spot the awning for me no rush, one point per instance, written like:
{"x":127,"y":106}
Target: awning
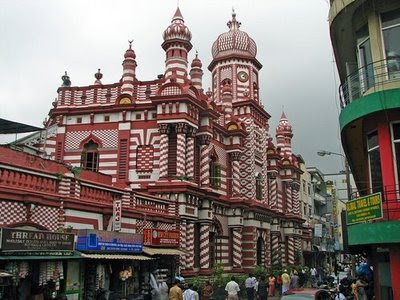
{"x":49,"y":256}
{"x":7,"y":126}
{"x":162,"y":251}
{"x":116,"y":256}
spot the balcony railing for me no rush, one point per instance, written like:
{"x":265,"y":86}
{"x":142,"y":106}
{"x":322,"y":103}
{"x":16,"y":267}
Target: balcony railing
{"x":390,"y":201}
{"x":371,"y":76}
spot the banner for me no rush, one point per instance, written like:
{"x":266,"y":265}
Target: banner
{"x":159,"y":237}
{"x":117,"y":214}
{"x":109,"y":241}
{"x":364,"y":209}
{"x":29,"y":240}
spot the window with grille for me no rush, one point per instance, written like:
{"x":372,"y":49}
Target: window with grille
{"x":90,"y":157}
{"x":259,"y":185}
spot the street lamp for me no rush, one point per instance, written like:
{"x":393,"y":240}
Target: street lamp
{"x":347,"y":169}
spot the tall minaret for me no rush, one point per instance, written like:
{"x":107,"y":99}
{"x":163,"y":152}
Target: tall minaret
{"x":284,"y":134}
{"x":129,"y":68}
{"x":176,"y":45}
{"x":196,"y":73}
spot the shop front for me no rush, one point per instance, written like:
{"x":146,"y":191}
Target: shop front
{"x":163,"y":245}
{"x":37,"y":264}
{"x":114,"y":264}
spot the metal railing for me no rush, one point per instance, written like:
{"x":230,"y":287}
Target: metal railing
{"x":390,"y":201}
{"x":373,"y":75}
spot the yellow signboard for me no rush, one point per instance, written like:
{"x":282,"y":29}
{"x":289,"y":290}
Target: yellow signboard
{"x":364,"y":209}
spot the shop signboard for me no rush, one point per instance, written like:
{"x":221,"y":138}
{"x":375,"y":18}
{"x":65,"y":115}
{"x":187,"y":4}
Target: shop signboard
{"x":117,"y":214}
{"x":109,"y":241}
{"x":22,"y":240}
{"x":364,"y":209}
{"x":159,"y":237}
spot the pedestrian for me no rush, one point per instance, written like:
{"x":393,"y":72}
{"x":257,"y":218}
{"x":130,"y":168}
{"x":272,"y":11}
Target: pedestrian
{"x":175,"y":293}
{"x":207,"y":290}
{"x":279,"y":284}
{"x":262,"y":288}
{"x":361,"y":285}
{"x":340,"y":294}
{"x":188,"y":294}
{"x":294,"y":281}
{"x":354,"y":290}
{"x":314,"y":273}
{"x":285,"y":282}
{"x":195,"y":293}
{"x":271,"y":285}
{"x":233,"y":289}
{"x":250,"y":284}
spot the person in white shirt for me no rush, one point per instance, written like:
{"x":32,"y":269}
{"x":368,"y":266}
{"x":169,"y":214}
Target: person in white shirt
{"x":232,"y":288}
{"x":313,"y":272}
{"x":189,"y":294}
{"x":250,"y":284}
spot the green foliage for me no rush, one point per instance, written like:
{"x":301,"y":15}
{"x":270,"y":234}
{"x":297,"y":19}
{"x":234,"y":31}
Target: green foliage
{"x":77,"y":172}
{"x":297,"y":257}
{"x":259,"y":271}
{"x":218,"y":275}
{"x":59,"y":176}
{"x":198,"y":283}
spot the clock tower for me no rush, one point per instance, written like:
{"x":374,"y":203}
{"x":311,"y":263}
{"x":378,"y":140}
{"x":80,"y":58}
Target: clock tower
{"x":234,"y":63}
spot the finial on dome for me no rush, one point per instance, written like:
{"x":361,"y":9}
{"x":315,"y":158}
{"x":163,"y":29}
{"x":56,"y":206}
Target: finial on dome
{"x":98,"y":77}
{"x":177,"y":15}
{"x":130,"y":43}
{"x":283,"y":115}
{"x":233,"y":24}
{"x":66,"y":80}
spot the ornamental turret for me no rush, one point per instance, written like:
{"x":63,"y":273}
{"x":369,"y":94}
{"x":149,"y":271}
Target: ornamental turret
{"x":284,"y":134}
{"x":129,"y":69}
{"x":234,"y":58}
{"x":196,"y":73}
{"x":176,"y":46}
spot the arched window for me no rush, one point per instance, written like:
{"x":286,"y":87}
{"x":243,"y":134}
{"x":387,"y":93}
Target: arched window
{"x":215,"y":173}
{"x":90,"y":157}
{"x":259,"y":186}
{"x":260,"y":251}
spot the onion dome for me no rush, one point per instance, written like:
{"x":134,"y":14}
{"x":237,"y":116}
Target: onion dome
{"x":196,"y":63}
{"x":130,"y":53}
{"x":284,"y":127}
{"x":177,"y":29}
{"x":234,"y":41}
{"x":98,"y":77}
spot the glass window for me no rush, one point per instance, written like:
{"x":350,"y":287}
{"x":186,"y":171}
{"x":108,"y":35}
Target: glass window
{"x":364,"y":56}
{"x":90,"y":157}
{"x":215,"y":173}
{"x":391,"y":38}
{"x":259,"y":186}
{"x":396,"y":146}
{"x":374,"y":161}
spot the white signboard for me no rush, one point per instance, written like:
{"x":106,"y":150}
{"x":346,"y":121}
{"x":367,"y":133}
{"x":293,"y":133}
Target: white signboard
{"x":318,"y":230}
{"x":117,"y":214}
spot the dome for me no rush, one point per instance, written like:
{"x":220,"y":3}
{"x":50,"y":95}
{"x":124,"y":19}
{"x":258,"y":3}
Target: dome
{"x":234,"y":41}
{"x":284,"y":127}
{"x":196,"y":63}
{"x":177,"y":29}
{"x":130,"y":53}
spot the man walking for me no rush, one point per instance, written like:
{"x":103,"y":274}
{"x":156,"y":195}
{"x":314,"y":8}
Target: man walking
{"x":233,"y":289}
{"x":250,"y":284}
{"x":175,"y":293}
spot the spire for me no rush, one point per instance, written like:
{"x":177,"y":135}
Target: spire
{"x":66,"y":80}
{"x":233,"y":24}
{"x":177,"y":15}
{"x":283,"y":116}
{"x":196,"y":73}
{"x":98,"y":77}
{"x":284,"y":135}
{"x":129,"y":68}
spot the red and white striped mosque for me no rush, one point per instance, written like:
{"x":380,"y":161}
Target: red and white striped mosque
{"x":179,"y":157}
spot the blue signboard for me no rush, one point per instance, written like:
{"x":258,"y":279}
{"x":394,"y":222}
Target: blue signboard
{"x":109,"y":241}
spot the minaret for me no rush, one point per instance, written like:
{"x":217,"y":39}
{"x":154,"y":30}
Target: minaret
{"x":129,"y":68}
{"x":284,"y":136}
{"x":176,"y":45}
{"x":196,"y":73}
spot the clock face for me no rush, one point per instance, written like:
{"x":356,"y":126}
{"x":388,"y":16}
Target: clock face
{"x":242,"y":76}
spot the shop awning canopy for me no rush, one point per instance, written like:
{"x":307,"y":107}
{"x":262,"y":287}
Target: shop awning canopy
{"x":162,"y":251}
{"x":115,"y":256}
{"x":7,"y":126}
{"x":48,"y":256}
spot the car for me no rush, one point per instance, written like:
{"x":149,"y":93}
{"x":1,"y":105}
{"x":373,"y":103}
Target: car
{"x":306,"y":294}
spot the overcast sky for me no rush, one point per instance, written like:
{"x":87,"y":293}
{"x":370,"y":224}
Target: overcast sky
{"x":41,"y":39}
